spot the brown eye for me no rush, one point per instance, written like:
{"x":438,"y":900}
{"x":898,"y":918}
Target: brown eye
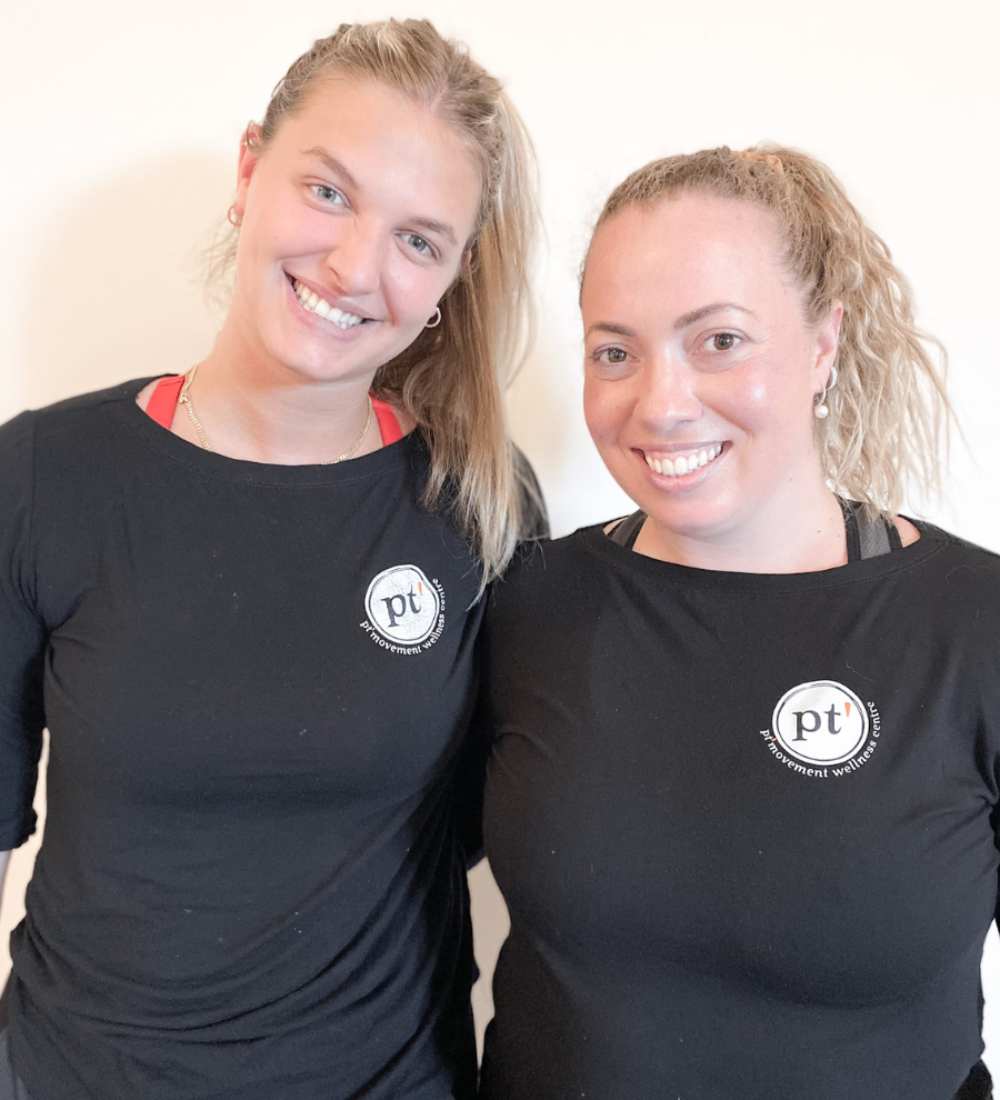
{"x":724,"y":341}
{"x":616,"y":355}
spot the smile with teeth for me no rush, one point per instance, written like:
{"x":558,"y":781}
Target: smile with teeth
{"x":677,"y":465}
{"x":322,"y":308}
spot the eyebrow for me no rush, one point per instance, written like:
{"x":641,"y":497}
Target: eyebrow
{"x":432,"y":225}
{"x":331,"y":162}
{"x":702,"y":312}
{"x":683,"y":321}
{"x":610,"y":326}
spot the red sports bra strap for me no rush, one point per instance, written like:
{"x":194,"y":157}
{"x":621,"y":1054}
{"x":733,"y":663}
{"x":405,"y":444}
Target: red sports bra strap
{"x":388,"y":423}
{"x":162,"y":408}
{"x":163,"y":400}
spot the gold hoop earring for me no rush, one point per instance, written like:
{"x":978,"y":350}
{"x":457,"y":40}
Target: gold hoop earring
{"x":251,"y":136}
{"x":234,"y":217}
{"x":435,"y":320}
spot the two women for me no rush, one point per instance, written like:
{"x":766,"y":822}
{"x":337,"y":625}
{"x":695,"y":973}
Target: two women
{"x":244,"y":602}
{"x":721,"y":784}
{"x":743,"y":781}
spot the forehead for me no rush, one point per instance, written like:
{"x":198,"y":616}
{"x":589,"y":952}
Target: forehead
{"x":686,"y":250}
{"x":395,"y":147}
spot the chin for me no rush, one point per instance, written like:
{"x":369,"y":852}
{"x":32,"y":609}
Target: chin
{"x":317,"y":364}
{"x":697,"y":516}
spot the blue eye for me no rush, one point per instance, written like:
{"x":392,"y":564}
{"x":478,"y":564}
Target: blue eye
{"x":419,"y":244}
{"x":328,"y":194}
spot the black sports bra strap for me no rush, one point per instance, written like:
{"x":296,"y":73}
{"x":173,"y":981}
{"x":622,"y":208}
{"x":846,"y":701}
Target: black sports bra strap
{"x":895,"y":541}
{"x":866,"y":537}
{"x":626,"y":530}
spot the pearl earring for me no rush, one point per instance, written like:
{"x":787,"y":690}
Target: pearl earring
{"x":821,"y":410}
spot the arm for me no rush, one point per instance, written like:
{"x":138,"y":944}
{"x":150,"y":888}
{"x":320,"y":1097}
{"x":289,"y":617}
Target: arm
{"x":23,"y":638}
{"x":4,"y":856}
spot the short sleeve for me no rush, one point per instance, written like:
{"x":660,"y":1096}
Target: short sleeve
{"x":22,"y":637}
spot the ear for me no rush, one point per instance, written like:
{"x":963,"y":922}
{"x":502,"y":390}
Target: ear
{"x":250,"y":149}
{"x":827,"y":342}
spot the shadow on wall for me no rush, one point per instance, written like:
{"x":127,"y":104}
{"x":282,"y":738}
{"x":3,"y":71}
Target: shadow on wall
{"x":546,"y":413}
{"x":537,"y":415}
{"x":123,"y":265}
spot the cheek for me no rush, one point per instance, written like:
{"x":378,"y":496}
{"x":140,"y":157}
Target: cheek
{"x":772,"y":406}
{"x":412,"y":290}
{"x":754,"y":401}
{"x":761,"y":396}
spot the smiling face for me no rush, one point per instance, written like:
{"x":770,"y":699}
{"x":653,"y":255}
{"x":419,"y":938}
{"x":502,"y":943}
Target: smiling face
{"x":355,"y":217}
{"x":701,"y":368}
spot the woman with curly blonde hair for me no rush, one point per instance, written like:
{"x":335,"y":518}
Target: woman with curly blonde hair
{"x":244,"y":599}
{"x":743,"y":781}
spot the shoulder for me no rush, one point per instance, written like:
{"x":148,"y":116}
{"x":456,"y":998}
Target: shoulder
{"x":956,"y":574}
{"x":545,"y":571}
{"x":61,"y":447}
{"x":85,"y":412}
{"x":955,"y":546}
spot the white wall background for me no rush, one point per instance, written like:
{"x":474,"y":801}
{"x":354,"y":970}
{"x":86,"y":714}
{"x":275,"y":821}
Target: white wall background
{"x":120,"y":126}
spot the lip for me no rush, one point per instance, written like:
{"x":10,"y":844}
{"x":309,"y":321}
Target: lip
{"x":682,"y":447}
{"x":681,"y":482}
{"x":320,"y":325}
{"x":335,"y":300}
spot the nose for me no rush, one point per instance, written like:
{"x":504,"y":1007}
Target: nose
{"x":355,"y":260}
{"x":667,"y":395}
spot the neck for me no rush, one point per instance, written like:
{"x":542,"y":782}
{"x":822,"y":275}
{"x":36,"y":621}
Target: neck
{"x":799,"y":532}
{"x":255,"y":409}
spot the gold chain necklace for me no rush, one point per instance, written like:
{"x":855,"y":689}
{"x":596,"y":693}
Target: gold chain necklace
{"x":199,"y":431}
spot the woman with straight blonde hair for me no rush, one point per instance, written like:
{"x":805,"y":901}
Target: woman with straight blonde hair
{"x":742,"y":789}
{"x":244,"y":599}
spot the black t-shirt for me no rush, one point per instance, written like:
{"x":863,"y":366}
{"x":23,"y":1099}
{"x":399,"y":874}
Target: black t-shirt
{"x":256,"y":679}
{"x":743,"y":824}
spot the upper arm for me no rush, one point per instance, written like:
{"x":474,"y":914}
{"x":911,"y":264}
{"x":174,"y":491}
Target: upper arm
{"x":22,"y":637}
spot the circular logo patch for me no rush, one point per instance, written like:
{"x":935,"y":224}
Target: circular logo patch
{"x":821,"y":722}
{"x":403,"y":605}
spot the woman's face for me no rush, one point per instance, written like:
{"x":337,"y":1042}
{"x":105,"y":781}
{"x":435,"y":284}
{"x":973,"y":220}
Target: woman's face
{"x":355,"y":218}
{"x":701,"y":369}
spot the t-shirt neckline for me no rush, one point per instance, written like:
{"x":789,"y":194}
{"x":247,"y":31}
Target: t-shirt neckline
{"x":931,"y":542}
{"x":209,"y":464}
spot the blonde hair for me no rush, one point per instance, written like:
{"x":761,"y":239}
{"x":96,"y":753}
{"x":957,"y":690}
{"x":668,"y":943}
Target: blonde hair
{"x":450,"y":379}
{"x":889,"y":412}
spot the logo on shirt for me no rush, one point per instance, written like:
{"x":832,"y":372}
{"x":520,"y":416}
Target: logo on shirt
{"x":405,"y":610}
{"x":822,"y":730}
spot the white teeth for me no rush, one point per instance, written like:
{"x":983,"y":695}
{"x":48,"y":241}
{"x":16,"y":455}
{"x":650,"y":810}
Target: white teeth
{"x":683,"y":464}
{"x":322,"y":308}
